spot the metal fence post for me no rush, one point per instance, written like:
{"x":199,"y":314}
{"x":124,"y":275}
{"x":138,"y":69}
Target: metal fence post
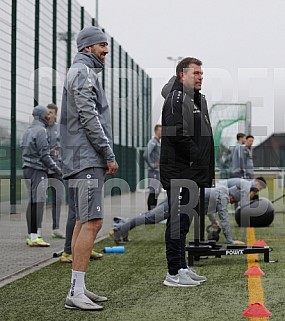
{"x":13,"y":156}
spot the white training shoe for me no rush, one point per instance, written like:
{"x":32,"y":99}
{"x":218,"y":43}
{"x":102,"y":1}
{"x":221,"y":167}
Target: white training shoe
{"x":57,"y":233}
{"x":194,"y":276}
{"x":81,"y":303}
{"x":180,"y":279}
{"x":94,"y":297}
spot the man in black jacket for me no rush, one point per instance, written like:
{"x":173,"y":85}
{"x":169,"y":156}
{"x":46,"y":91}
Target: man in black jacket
{"x":186,"y":162}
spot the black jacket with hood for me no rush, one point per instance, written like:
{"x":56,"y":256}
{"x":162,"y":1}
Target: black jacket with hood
{"x":187,"y":145}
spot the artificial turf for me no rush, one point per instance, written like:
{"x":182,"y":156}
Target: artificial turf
{"x":133,"y":283}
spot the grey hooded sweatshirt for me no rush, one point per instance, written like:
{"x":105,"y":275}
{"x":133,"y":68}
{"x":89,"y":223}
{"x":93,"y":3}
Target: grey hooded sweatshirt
{"x":54,"y":143}
{"x":35,"y":146}
{"x":85,"y":124}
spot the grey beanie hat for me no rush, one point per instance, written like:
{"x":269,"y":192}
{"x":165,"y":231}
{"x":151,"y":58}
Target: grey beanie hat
{"x":40,"y":112}
{"x":235,"y":192}
{"x":89,"y":36}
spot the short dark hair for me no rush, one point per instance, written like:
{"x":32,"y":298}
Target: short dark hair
{"x":52,"y":106}
{"x":184,"y":63}
{"x":240,"y":135}
{"x":254,"y":189}
{"x":157,"y":126}
{"x":249,"y":136}
{"x":262,"y":180}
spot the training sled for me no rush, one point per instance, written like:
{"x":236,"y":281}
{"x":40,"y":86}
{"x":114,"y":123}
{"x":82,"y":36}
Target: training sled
{"x":210,"y":248}
{"x":201,"y":248}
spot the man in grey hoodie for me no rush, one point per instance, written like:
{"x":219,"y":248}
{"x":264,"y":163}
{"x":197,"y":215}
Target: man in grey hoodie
{"x":36,"y":162}
{"x":56,"y":183}
{"x":151,"y":157}
{"x":87,"y":155}
{"x":237,"y":164}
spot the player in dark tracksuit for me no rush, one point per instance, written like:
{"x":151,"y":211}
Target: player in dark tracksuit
{"x":36,"y":162}
{"x":187,"y":158}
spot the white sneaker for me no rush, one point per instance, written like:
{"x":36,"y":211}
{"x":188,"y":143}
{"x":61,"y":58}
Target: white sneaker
{"x":81,"y":303}
{"x":39,"y":232}
{"x":57,"y":233}
{"x":94,"y":297}
{"x":180,"y":279}
{"x":194,"y":276}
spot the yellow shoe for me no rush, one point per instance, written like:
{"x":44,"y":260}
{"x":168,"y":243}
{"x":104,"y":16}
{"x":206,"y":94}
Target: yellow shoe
{"x":40,"y":242}
{"x":95,"y":255}
{"x":66,"y":258}
{"x":114,"y":235}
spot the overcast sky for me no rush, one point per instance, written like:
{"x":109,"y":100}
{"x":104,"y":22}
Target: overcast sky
{"x":241,"y":44}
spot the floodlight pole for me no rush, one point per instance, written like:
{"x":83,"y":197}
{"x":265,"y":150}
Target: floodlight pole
{"x":97,"y":13}
{"x":248,"y":118}
{"x":175,"y":60}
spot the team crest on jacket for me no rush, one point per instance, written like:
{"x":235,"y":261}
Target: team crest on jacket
{"x":196,"y":110}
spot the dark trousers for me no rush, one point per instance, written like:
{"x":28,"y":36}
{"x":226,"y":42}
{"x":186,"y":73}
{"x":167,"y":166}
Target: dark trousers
{"x":154,"y":216}
{"x":178,"y":224}
{"x":154,"y":188}
{"x":36,"y":183}
{"x":152,"y":199}
{"x":56,"y":186}
{"x":34,"y":215}
{"x":71,"y":220}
